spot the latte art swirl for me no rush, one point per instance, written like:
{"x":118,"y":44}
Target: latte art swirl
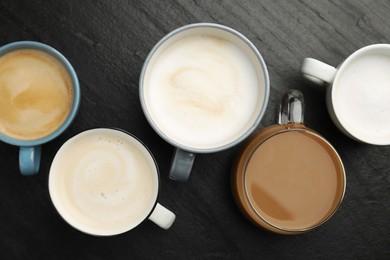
{"x":202,"y":91}
{"x":197,"y":88}
{"x":36,"y":94}
{"x":106,"y":178}
{"x":103,"y":178}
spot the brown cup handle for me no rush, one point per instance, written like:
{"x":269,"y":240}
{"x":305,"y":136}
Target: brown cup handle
{"x":291,"y":109}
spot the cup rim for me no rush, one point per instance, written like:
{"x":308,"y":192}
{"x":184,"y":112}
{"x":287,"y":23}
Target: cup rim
{"x":353,"y":133}
{"x":258,"y":214}
{"x":263,"y":106}
{"x":70,"y":220}
{"x":75,"y":83}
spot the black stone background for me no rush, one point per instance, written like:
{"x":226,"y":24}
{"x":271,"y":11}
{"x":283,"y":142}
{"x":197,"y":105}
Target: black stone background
{"x":107,"y":42}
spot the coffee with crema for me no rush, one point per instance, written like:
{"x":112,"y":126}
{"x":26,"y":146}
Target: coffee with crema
{"x":103,"y":180}
{"x":202,"y":91}
{"x":36,"y":94}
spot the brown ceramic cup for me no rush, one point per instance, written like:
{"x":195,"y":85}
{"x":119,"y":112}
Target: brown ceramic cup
{"x":288,"y":179}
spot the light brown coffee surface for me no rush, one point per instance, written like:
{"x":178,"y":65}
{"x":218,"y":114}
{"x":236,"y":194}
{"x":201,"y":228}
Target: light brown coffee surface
{"x":292,"y":180}
{"x":36,"y":94}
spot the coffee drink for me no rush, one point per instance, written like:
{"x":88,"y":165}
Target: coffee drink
{"x":363,"y":94}
{"x":288,"y":179}
{"x":202,"y":91}
{"x":292,"y":180}
{"x":104,"y":181}
{"x":36,"y":94}
{"x":358,"y":92}
{"x":203,"y":88}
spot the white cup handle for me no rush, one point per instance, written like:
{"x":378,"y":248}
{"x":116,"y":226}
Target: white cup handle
{"x":162,"y":217}
{"x":317,"y":71}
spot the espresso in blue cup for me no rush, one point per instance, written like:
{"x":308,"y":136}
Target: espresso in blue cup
{"x":39,"y":98}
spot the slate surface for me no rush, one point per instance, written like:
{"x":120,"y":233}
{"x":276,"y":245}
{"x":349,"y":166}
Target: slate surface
{"x":107,"y":42}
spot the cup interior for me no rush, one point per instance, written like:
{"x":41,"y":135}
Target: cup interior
{"x":204,"y":30}
{"x":75,"y":91}
{"x":360,"y":92}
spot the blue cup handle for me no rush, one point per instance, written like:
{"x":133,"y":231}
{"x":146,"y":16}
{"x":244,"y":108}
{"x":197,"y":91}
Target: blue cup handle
{"x":181,"y":165}
{"x":29,"y":160}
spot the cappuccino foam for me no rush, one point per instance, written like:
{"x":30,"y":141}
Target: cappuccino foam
{"x":362,"y":97}
{"x":103,"y":180}
{"x":202,"y":91}
{"x":35,"y":94}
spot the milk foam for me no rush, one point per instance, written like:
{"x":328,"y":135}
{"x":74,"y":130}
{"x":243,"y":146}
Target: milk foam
{"x":202,"y":91}
{"x":105,"y":180}
{"x":35,"y":94}
{"x":362,"y":97}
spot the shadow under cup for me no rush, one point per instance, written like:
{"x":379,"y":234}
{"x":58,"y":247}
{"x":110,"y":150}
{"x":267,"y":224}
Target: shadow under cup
{"x":180,"y":125}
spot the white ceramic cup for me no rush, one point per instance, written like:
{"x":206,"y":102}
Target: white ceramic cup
{"x":358,"y":92}
{"x":105,"y":182}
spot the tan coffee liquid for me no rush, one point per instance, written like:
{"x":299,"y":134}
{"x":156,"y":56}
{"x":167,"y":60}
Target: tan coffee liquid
{"x":293,"y":181}
{"x":36,"y":94}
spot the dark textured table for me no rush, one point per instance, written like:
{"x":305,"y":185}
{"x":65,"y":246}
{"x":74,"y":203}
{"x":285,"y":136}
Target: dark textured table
{"x":107,"y":42}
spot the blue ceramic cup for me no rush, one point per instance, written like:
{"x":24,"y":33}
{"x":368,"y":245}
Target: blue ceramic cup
{"x":30,"y":150}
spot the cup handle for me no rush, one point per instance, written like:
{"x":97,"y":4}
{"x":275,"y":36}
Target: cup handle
{"x":181,"y":165}
{"x":29,"y":160}
{"x":291,"y":109}
{"x":317,"y":71}
{"x":162,"y":217}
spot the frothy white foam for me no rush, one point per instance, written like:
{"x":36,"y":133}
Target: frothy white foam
{"x":105,"y":180}
{"x":202,"y":91}
{"x":362,"y":97}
